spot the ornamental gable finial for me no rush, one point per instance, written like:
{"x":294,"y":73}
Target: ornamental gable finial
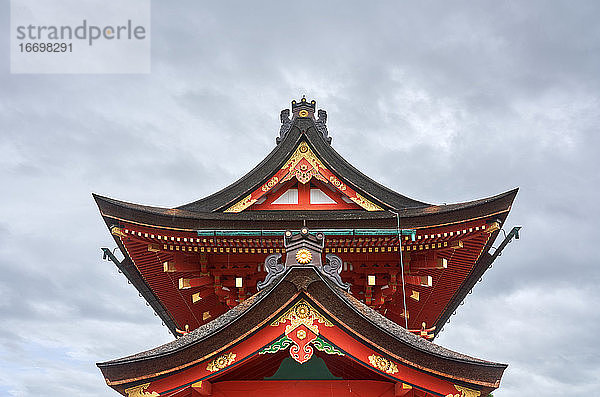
{"x":303,"y":110}
{"x":304,"y":249}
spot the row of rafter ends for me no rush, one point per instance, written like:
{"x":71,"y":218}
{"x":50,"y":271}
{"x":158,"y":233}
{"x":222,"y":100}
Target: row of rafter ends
{"x":228,"y":250}
{"x":412,"y":239}
{"x":274,"y":245}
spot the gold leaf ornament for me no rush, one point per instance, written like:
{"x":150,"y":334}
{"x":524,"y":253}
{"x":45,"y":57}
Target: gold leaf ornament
{"x":242,"y":204}
{"x":140,"y":391}
{"x":303,"y":256}
{"x":302,"y":313}
{"x":365,"y":203}
{"x":383,"y":364}
{"x":465,"y":392}
{"x":221,"y":362}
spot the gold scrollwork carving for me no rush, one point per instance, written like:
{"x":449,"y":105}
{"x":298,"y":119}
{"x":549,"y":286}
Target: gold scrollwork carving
{"x":302,"y":313}
{"x":383,"y":364}
{"x":465,"y":392}
{"x":139,"y":391}
{"x":242,"y":204}
{"x":221,"y":362}
{"x":272,"y":182}
{"x":365,"y":203}
{"x":337,"y":183}
{"x":303,"y":152}
{"x":304,"y":173}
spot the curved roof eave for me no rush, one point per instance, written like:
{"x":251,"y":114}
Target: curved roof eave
{"x":307,"y":129}
{"x":255,"y":303}
{"x":430,"y":216}
{"x":415,"y":213}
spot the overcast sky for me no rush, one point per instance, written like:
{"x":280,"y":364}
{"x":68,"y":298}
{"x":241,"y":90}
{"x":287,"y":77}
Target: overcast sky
{"x":441,"y":101}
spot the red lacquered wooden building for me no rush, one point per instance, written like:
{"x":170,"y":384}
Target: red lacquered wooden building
{"x":305,"y":277}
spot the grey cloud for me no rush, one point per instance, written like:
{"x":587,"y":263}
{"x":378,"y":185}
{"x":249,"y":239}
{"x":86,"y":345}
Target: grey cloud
{"x":441,"y":101}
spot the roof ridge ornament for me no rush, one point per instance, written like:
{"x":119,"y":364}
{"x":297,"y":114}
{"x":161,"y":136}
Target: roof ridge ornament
{"x":303,"y":110}
{"x":286,"y":124}
{"x":321,"y":124}
{"x":304,"y":250}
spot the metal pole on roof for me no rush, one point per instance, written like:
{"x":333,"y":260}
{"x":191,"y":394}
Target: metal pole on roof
{"x":402,"y":270}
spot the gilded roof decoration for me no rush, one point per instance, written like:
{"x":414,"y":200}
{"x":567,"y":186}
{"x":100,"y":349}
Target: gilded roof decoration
{"x":242,"y":204}
{"x":140,"y":391}
{"x":302,"y":313}
{"x":221,"y":362}
{"x":302,"y":333}
{"x":383,"y":364}
{"x":304,"y":165}
{"x":465,"y":392}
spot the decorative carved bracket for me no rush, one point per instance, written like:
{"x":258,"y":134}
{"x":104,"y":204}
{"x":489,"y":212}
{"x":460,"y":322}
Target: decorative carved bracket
{"x":274,"y":269}
{"x":304,"y":249}
{"x":332,"y":269}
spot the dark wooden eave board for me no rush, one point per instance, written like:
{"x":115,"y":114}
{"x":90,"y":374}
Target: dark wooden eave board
{"x":267,"y":220}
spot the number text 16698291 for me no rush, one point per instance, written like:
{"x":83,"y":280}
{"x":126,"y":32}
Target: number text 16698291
{"x":46,"y":47}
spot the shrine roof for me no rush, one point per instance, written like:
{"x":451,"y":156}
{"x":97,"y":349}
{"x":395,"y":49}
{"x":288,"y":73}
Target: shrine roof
{"x":213,"y":210}
{"x":342,"y":307}
{"x":417,"y":217}
{"x":303,"y":129}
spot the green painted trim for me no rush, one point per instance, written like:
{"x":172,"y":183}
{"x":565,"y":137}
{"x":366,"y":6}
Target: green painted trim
{"x":327,"y":232}
{"x":280,"y":344}
{"x":325,"y":346}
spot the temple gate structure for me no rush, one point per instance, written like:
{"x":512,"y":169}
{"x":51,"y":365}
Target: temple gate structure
{"x":305,"y":278}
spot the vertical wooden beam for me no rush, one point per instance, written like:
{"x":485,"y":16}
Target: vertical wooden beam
{"x":368,"y":295}
{"x":203,"y":263}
